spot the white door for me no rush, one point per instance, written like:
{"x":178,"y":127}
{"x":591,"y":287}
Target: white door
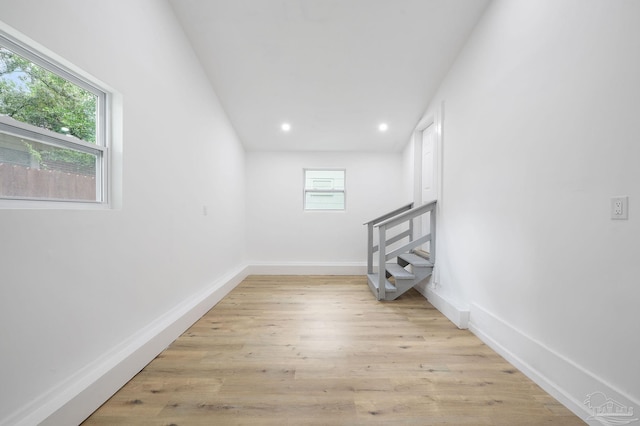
{"x":428,"y":175}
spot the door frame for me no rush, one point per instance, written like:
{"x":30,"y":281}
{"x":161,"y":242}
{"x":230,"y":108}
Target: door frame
{"x":433,"y":118}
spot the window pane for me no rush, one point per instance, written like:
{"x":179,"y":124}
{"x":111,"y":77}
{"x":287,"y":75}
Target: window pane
{"x":324,"y":179}
{"x":324,"y":200}
{"x":35,"y":170}
{"x":31,"y":94}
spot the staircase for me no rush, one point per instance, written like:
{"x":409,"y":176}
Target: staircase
{"x":411,"y":265}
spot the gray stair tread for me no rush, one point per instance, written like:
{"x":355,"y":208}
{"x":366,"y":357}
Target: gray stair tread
{"x":399,"y":272}
{"x":388,"y":287}
{"x":416,"y":260}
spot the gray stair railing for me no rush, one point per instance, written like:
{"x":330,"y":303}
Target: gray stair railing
{"x":384,"y":223}
{"x":371,"y":249}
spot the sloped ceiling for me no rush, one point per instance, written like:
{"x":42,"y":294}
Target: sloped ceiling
{"x":333,"y":69}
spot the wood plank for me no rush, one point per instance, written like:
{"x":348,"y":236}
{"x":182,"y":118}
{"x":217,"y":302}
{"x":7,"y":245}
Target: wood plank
{"x":398,"y":272}
{"x":390,"y":288}
{"x":319,"y":350}
{"x":416,"y":260}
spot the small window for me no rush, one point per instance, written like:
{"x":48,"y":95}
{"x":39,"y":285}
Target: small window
{"x":52,"y":130}
{"x":324,"y":189}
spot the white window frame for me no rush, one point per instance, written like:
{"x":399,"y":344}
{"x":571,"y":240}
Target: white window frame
{"x":306,"y":190}
{"x":34,"y":53}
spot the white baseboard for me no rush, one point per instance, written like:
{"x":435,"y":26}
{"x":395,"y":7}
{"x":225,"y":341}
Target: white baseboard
{"x":455,"y":314}
{"x":308,"y":268}
{"x":77,"y":397}
{"x":568,"y":382}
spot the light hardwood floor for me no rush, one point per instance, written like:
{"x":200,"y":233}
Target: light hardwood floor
{"x":320,"y":350}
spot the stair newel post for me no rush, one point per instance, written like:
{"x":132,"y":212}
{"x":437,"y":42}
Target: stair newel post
{"x":370,"y":248}
{"x":432,"y":244}
{"x":382,"y":260}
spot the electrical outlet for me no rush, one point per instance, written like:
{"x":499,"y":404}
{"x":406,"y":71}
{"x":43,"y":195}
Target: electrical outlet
{"x":617,"y":207}
{"x":620,"y":208}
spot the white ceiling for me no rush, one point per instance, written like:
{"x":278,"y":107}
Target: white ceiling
{"x":333,"y":69}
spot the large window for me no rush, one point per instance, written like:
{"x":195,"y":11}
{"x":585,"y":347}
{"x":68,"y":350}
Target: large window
{"x":52,"y":130}
{"x":324,"y":189}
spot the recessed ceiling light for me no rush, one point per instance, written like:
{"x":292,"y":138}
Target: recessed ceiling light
{"x":285,"y":127}
{"x":383,"y":127}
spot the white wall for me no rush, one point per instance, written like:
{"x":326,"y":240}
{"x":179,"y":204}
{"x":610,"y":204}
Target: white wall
{"x":75,"y":285}
{"x":280,"y":233}
{"x":540,"y":130}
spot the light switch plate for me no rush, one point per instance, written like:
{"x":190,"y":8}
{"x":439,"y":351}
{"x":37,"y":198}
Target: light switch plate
{"x":620,"y":208}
